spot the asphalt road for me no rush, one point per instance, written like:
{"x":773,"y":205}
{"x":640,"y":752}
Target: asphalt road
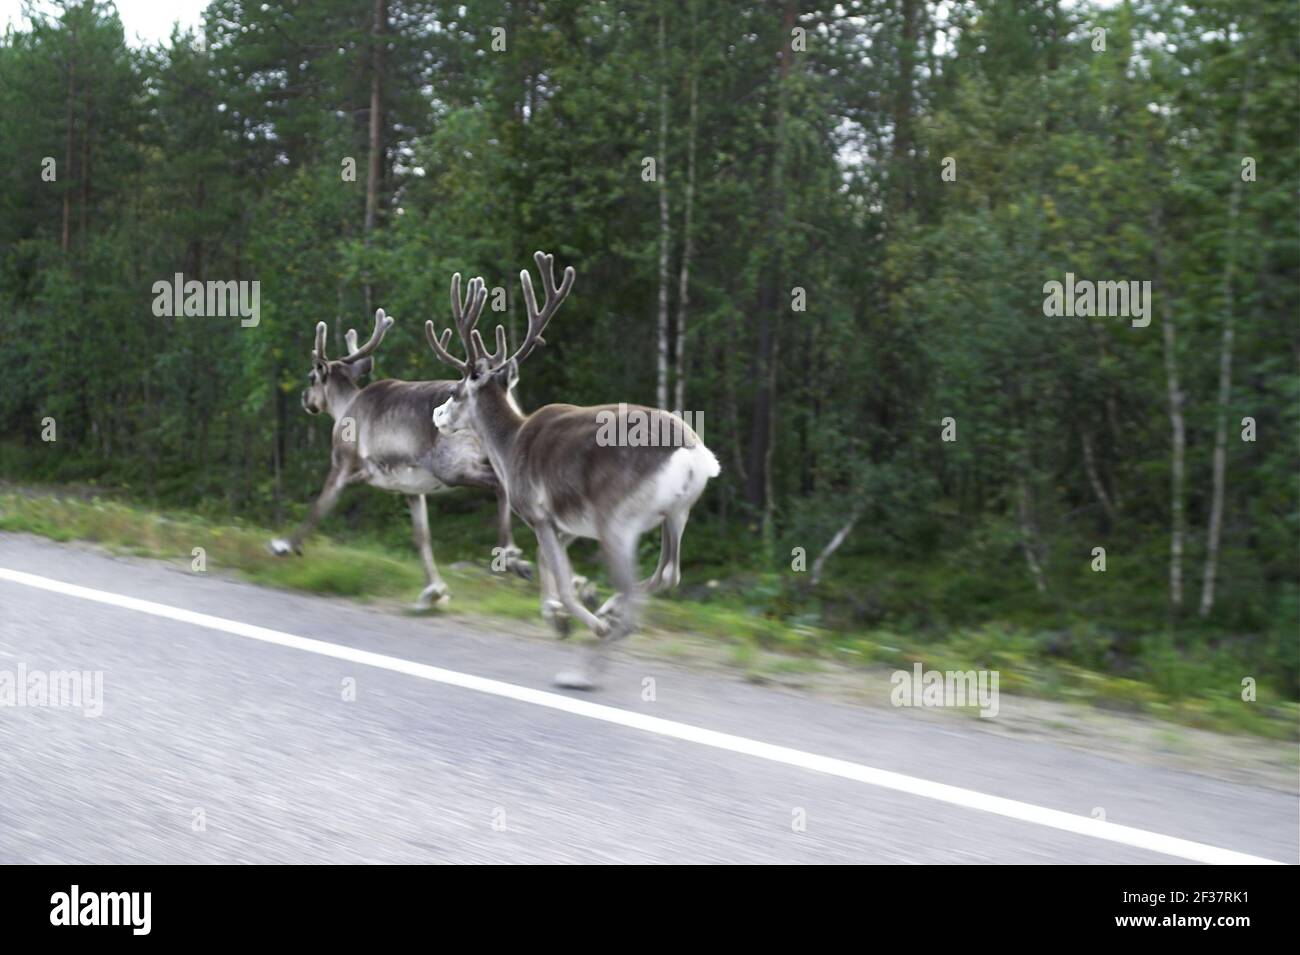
{"x":214,"y":747}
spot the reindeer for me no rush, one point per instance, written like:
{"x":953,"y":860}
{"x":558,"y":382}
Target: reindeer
{"x":565,"y":481}
{"x":383,"y":436}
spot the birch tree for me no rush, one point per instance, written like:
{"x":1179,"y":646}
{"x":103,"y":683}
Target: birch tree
{"x":1215,"y":531}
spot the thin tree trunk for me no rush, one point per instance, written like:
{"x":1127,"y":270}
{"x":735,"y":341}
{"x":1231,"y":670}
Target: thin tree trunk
{"x":67,"y":151}
{"x":1178,"y":437}
{"x":379,"y":29}
{"x":903,"y":137}
{"x":769,"y":492}
{"x":1028,"y":535}
{"x":665,"y":237}
{"x":88,"y":107}
{"x":1225,"y":364}
{"x":763,"y":425}
{"x":840,"y":537}
{"x":1098,"y":488}
{"x":732,"y":407}
{"x":1110,"y":402}
{"x":755,"y":477}
{"x":277,"y":449}
{"x":684,"y":277}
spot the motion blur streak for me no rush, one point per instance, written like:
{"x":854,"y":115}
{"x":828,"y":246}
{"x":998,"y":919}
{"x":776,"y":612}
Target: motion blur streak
{"x":955,"y":795}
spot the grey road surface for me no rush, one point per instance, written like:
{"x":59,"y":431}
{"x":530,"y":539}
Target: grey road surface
{"x":216,"y":748}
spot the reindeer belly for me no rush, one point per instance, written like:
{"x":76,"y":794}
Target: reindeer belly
{"x":579,"y":525}
{"x":402,"y":477}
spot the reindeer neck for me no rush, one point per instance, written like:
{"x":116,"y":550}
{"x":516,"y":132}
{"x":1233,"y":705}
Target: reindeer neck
{"x":497,"y":421}
{"x":339,"y":395}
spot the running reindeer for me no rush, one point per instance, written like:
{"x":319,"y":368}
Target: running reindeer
{"x":384,"y":436}
{"x":563,"y":476}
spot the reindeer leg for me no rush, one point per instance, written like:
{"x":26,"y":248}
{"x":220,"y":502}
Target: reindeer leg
{"x":436,"y":592}
{"x":335,"y":481}
{"x":669,"y":572}
{"x":553,"y":611}
{"x":583,"y":587}
{"x":506,"y":539}
{"x":666,"y":575}
{"x":623,"y":610}
{"x":553,"y":552}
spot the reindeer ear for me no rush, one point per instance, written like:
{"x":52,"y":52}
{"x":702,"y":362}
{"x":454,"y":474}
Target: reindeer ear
{"x":321,"y":367}
{"x":361,"y":367}
{"x":510,"y":373}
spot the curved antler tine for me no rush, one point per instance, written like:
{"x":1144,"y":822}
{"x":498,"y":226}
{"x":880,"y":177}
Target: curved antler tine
{"x":382,"y":324}
{"x":482,"y":298}
{"x":497,"y":358}
{"x":546,"y":266}
{"x":530,"y":299}
{"x":567,"y":283}
{"x":319,"y":350}
{"x":538,"y":318}
{"x":455,"y":298}
{"x":475,"y":296}
{"x":468,"y":317}
{"x":439,"y":346}
{"x":464,"y":312}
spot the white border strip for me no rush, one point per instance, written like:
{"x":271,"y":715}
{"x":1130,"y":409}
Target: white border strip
{"x":954,"y":795}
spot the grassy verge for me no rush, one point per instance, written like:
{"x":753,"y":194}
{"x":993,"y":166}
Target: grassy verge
{"x":1204,"y":694}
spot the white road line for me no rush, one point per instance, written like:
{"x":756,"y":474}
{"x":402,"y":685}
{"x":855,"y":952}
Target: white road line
{"x":955,"y":795}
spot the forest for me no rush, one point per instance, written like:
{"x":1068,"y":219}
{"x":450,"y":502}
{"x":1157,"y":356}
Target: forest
{"x":828,"y":231}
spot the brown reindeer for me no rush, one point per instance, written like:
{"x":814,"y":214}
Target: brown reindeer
{"x":384,"y":436}
{"x":572,"y":472}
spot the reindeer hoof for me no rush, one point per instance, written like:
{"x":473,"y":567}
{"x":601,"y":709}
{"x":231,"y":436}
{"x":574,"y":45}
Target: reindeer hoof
{"x":574,"y":680}
{"x":553,"y":612}
{"x":435,"y":595}
{"x":279,"y":547}
{"x":522,"y":569}
{"x":614,"y":615}
{"x":586,"y":592}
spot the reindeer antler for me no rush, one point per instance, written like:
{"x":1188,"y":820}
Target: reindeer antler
{"x":497,"y":358}
{"x":537,"y":320}
{"x":465,"y":314}
{"x":382,"y":324}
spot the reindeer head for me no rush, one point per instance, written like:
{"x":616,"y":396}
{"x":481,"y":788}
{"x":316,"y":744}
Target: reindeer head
{"x":491,"y":372}
{"x":328,"y":379}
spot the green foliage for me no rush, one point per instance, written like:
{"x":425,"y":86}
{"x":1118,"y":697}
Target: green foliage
{"x":221,"y":155}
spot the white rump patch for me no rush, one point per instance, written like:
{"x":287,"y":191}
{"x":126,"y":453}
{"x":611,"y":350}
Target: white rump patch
{"x":679,"y":483}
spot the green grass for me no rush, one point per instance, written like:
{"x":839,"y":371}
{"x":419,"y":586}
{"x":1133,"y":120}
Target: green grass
{"x":748,"y":615}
